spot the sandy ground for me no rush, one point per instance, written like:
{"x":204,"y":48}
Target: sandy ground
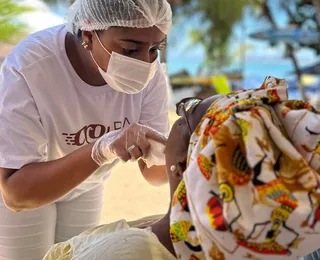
{"x":128,"y":196}
{"x":5,"y":48}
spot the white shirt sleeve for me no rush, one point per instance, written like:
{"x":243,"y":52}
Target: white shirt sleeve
{"x":154,"y":111}
{"x":22,"y":136}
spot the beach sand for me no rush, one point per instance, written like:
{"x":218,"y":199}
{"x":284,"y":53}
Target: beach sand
{"x":128,"y":196}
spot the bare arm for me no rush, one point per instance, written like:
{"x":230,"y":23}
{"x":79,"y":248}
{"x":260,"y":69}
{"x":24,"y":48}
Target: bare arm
{"x":38,"y":184}
{"x":155,"y":175}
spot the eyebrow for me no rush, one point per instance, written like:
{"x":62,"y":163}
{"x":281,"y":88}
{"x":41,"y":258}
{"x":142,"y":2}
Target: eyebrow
{"x":140,"y":42}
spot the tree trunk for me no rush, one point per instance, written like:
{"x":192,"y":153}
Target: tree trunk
{"x":316,"y":3}
{"x":267,"y":13}
{"x":297,"y":71}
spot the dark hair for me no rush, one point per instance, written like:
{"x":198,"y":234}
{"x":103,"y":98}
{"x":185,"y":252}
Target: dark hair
{"x":79,"y":33}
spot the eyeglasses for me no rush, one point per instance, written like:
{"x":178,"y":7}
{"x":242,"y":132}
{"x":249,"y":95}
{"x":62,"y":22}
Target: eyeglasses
{"x":187,"y":105}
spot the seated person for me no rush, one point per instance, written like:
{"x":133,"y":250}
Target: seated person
{"x":243,"y":172}
{"x":119,"y":240}
{"x":251,"y":189}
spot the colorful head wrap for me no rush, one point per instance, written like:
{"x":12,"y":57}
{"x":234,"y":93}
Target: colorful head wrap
{"x":252,"y":187}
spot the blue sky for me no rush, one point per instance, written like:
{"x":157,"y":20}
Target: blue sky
{"x":261,"y":58}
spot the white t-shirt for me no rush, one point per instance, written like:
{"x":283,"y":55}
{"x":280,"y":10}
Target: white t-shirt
{"x":47,"y":111}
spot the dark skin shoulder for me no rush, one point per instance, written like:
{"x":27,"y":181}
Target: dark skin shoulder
{"x":176,"y":154}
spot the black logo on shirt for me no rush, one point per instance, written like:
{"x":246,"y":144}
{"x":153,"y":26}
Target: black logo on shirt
{"x":90,"y":133}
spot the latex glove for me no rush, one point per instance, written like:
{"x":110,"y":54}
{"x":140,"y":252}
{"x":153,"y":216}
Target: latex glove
{"x":156,"y":154}
{"x":131,"y":144}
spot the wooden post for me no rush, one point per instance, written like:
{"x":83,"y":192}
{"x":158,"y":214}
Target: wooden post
{"x":316,"y":3}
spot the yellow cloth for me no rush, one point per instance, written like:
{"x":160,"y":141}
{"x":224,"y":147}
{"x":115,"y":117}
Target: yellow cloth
{"x":221,"y":84}
{"x":251,"y":189}
{"x":116,"y":241}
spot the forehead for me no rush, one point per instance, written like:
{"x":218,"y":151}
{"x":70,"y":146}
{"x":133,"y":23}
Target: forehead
{"x":151,"y":35}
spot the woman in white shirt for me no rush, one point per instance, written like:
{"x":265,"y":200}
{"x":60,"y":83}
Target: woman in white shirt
{"x":73,"y":101}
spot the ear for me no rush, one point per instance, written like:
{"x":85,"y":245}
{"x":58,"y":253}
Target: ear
{"x":87,"y":37}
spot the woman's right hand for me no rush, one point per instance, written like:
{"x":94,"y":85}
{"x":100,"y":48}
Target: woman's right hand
{"x":131,"y":144}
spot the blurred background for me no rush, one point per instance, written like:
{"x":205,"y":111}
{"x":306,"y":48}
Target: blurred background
{"x":215,"y":46}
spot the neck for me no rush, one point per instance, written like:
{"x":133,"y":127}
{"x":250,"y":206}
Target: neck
{"x":82,"y":62}
{"x":162,"y":230}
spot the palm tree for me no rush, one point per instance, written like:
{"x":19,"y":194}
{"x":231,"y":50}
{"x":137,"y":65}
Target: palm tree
{"x":264,"y":10}
{"x":218,"y":18}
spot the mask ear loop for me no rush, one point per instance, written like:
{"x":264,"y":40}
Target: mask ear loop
{"x":101,"y":43}
{"x":94,"y":60}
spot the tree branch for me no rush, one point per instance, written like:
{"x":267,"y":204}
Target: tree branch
{"x":291,"y":54}
{"x":316,"y":3}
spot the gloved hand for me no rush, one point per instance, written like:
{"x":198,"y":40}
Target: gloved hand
{"x":131,"y":144}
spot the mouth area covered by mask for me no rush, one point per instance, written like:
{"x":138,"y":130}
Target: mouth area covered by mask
{"x":125,"y":74}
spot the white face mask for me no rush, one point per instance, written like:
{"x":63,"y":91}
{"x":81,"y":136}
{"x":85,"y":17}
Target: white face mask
{"x":125,"y":74}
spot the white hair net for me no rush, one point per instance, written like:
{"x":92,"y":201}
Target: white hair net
{"x":90,"y":15}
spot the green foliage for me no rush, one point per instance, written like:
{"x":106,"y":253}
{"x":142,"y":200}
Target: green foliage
{"x":218,"y":19}
{"x":303,"y":15}
{"x":9,"y":27}
{"x":50,"y":2}
{"x":54,"y":2}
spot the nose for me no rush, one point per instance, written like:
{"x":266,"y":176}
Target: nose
{"x":146,"y":56}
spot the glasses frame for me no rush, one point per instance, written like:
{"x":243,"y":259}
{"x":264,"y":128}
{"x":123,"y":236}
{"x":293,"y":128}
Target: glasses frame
{"x":185,"y":105}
